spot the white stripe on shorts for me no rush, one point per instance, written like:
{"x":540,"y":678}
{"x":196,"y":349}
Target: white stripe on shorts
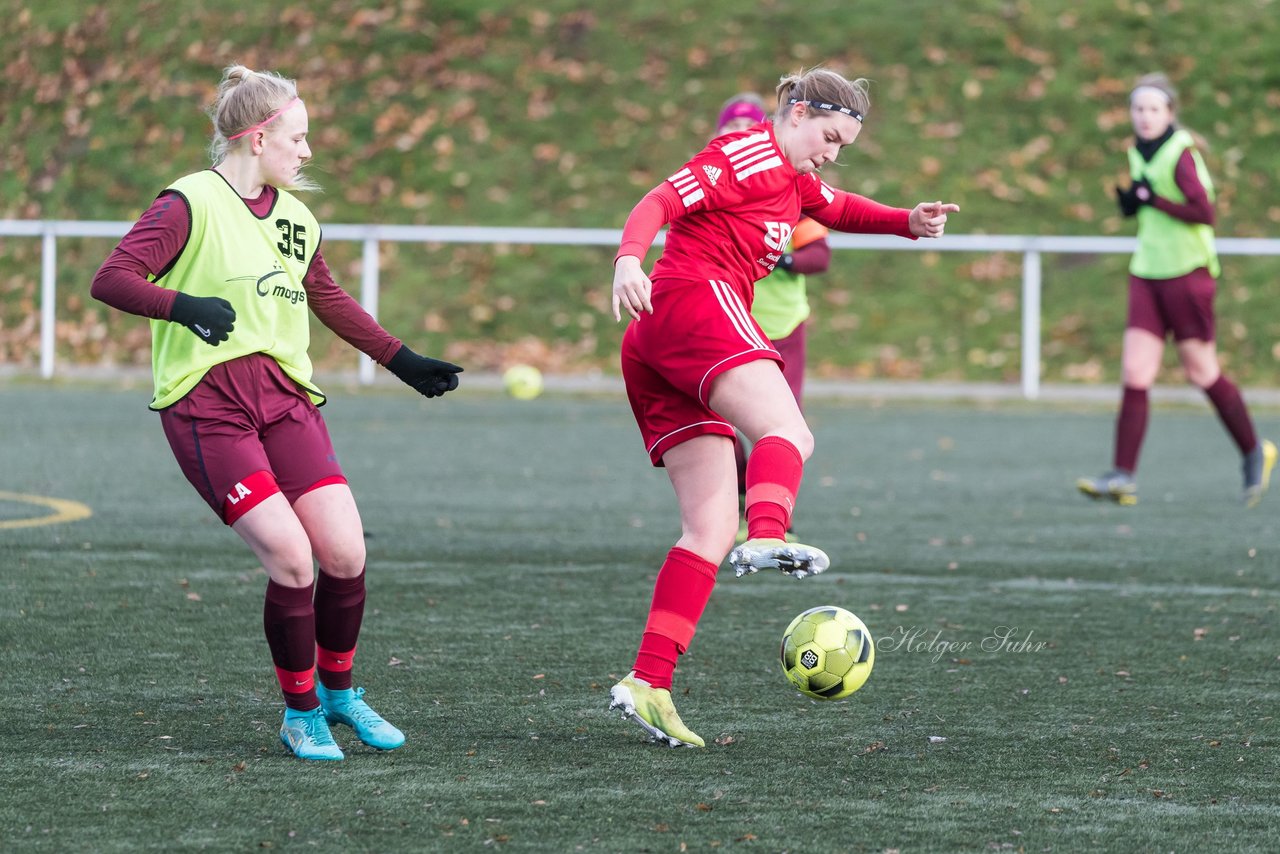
{"x":738,"y":314}
{"x":662,"y":439}
{"x":741,"y":320}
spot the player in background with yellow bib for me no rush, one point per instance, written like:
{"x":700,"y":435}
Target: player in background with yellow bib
{"x":1172,"y":285}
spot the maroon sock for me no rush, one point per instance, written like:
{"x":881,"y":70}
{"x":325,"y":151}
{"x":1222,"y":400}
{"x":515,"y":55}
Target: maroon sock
{"x":289,"y":620}
{"x":680,"y":594}
{"x":1226,"y":399}
{"x":1131,"y":426}
{"x":740,"y":460}
{"x":774,"y":470}
{"x":339,"y":612}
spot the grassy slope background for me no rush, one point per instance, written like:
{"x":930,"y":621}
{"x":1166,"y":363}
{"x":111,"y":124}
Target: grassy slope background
{"x":552,"y":113}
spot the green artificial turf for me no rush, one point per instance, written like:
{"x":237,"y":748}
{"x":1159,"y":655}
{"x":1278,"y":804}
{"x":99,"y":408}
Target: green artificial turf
{"x":512,"y":551}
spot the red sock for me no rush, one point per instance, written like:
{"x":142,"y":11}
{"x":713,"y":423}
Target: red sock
{"x":1226,"y":399}
{"x":339,"y":612}
{"x":1131,"y":426}
{"x":774,"y":470}
{"x":680,"y":594}
{"x":289,"y":620}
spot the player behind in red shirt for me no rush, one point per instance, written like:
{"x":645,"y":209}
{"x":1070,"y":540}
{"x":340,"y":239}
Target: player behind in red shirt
{"x":1172,"y":285}
{"x":697,"y":366}
{"x":781,"y":302}
{"x":226,"y":262}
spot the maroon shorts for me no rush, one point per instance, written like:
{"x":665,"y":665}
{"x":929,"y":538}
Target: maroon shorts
{"x":247,"y":431}
{"x":792,"y":350}
{"x":698,"y":330}
{"x":1182,"y":305}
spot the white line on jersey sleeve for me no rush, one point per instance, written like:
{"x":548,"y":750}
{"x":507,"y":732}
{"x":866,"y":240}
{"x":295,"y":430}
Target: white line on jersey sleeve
{"x":686,"y":184}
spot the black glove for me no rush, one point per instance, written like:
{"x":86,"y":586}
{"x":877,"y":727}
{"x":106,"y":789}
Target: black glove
{"x":430,"y":377}
{"x":1142,"y":192}
{"x":1134,"y":196}
{"x":211,"y":318}
{"x":785,"y":263}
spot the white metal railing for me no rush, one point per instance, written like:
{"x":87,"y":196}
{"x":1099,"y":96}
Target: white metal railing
{"x":370,"y":236}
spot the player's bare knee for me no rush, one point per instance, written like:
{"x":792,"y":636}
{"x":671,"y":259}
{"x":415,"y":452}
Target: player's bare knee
{"x":344,"y":562}
{"x":1137,"y":376}
{"x":1202,"y":377}
{"x":289,"y":562}
{"x":711,"y":542}
{"x":293,"y":576}
{"x":724,"y":543}
{"x":803,"y":440}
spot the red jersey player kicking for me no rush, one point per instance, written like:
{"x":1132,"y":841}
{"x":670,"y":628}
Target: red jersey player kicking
{"x":697,"y":365}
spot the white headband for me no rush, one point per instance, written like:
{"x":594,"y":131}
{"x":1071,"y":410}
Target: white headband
{"x":1156,"y":89}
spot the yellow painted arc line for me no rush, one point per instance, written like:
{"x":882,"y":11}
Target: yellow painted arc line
{"x":64,"y":510}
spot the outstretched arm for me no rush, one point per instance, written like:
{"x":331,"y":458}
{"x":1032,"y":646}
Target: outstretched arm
{"x":929,"y":219}
{"x":339,"y":311}
{"x":858,"y":214}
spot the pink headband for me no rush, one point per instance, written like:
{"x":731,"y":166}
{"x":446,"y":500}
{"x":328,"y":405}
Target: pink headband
{"x":740,"y":110}
{"x":268,"y":120}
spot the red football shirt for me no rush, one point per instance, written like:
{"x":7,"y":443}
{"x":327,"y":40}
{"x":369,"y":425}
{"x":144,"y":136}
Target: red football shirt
{"x":732,"y":209}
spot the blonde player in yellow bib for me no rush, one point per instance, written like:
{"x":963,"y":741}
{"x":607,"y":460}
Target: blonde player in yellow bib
{"x":227,"y":264}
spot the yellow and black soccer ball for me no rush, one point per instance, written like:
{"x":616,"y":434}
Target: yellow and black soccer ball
{"x":827,"y":653}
